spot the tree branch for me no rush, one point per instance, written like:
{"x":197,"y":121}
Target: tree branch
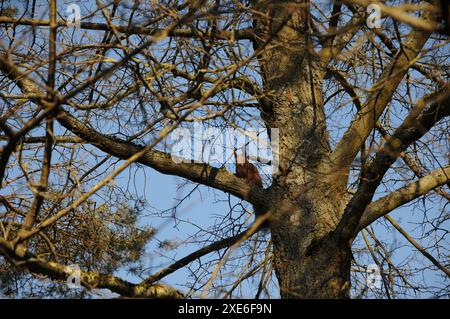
{"x":416,"y":125}
{"x":409,"y":161}
{"x":90,"y":279}
{"x":201,"y":173}
{"x":401,"y":15}
{"x":41,"y":139}
{"x":367,"y":117}
{"x":423,"y":251}
{"x":243,"y":34}
{"x":227,"y":242}
{"x":404,"y":195}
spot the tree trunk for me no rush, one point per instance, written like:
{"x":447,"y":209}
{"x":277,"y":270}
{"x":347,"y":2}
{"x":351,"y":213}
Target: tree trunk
{"x":323,"y":274}
{"x":309,"y":260}
{"x":308,"y":199}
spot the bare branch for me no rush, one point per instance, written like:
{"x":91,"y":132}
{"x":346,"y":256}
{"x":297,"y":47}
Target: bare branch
{"x":416,"y":124}
{"x":417,"y":245}
{"x":366,"y":119}
{"x":404,"y":195}
{"x":244,"y":34}
{"x":89,"y":280}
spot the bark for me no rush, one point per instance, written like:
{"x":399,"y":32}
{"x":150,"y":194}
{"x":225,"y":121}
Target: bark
{"x":307,"y":200}
{"x":325,"y":273}
{"x":90,"y":280}
{"x":309,"y":261}
{"x":312,"y":253}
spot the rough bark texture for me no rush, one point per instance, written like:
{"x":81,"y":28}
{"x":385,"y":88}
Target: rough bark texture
{"x":307,"y":201}
{"x":312,"y":219}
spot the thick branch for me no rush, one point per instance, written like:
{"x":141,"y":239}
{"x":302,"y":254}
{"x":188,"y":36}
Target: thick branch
{"x":416,"y":125}
{"x":41,"y":139}
{"x":162,"y":162}
{"x":404,"y":195}
{"x":89,"y":280}
{"x":366,"y":118}
{"x":409,"y":161}
{"x":244,"y":34}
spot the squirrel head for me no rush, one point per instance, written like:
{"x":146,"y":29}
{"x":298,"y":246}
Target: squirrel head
{"x":240,"y":158}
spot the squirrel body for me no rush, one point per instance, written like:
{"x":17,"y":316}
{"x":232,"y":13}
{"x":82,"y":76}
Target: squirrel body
{"x":248,"y":171}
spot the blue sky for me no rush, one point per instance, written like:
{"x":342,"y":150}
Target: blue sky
{"x":205,"y":206}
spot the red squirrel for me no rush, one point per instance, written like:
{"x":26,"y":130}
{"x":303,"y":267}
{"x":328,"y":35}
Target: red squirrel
{"x":248,"y":171}
{"x":245,"y":169}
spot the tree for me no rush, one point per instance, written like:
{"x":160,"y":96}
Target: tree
{"x":362,"y":113}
